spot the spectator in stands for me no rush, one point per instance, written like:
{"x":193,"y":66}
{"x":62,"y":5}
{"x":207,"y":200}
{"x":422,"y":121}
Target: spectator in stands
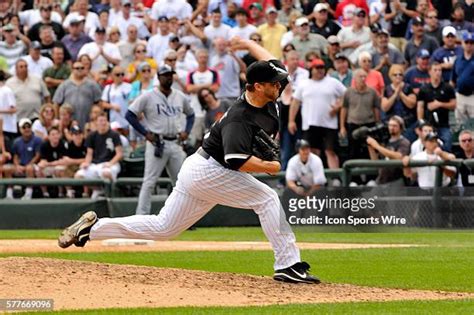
{"x":385,"y":56}
{"x":104,"y":152}
{"x":287,"y":10}
{"x":463,"y":79}
{"x":256,"y":16}
{"x":368,"y":46}
{"x":361,"y":107}
{"x":304,"y":41}
{"x":66,"y":121}
{"x":115,"y":98}
{"x":113,"y":36}
{"x":12,"y":48}
{"x":76,"y":37}
{"x":322,"y":25}
{"x":288,"y":37}
{"x":37,"y":63}
{"x":81,"y":8}
{"x":459,"y":21}
{"x":74,"y":156}
{"x":321,"y":100}
{"x":347,"y":9}
{"x":399,"y":99}
{"x":145,"y":83}
{"x":7,"y":113}
{"x":355,"y":35}
{"x":46,"y":121}
{"x":181,"y":64}
{"x":158,"y":43}
{"x":466,"y":176}
{"x":126,"y":19}
{"x":272,"y":32}
{"x":25,"y":153}
{"x":243,"y":29}
{"x":100,"y":51}
{"x":374,"y":78}
{"x":50,"y":165}
{"x":202,"y":77}
{"x":447,"y":54}
{"x":180,"y":9}
{"x":435,"y":101}
{"x":78,"y":91}
{"x":343,"y":69}
{"x":305,"y":172}
{"x":58,"y":72}
{"x":128,"y":46}
{"x":398,"y":18}
{"x":230,"y":68}
{"x":432,"y":27}
{"x":215,"y":108}
{"x":379,"y":12}
{"x":426,"y":175}
{"x":421,"y":7}
{"x":248,"y":58}
{"x":333,"y":48}
{"x":46,"y":14}
{"x":395,"y":149}
{"x":30,"y":91}
{"x":468,"y":6}
{"x":91,"y":125}
{"x":419,"y":41}
{"x":418,"y":74}
{"x":216,"y":28}
{"x":87,"y":63}
{"x":422,"y":130}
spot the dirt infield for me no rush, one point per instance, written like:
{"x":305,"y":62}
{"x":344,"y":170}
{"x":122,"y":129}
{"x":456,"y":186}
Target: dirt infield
{"x":43,"y":246}
{"x":87,"y":285}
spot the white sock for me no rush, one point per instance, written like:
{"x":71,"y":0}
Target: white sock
{"x":29,"y":191}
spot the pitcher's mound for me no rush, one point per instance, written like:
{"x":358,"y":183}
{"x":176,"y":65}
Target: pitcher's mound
{"x":85,"y":285}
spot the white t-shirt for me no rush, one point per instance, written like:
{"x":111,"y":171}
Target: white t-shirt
{"x":157,"y":46}
{"x":31,"y":17}
{"x":347,"y":34}
{"x":309,"y":173}
{"x":117,"y":95}
{"x":92,"y":21}
{"x":300,"y":75}
{"x":427,"y":174}
{"x":7,"y":101}
{"x":171,"y":8}
{"x":416,"y":147}
{"x":114,"y":17}
{"x":316,"y":98}
{"x":92,"y":50}
{"x":287,"y":38}
{"x":212,"y":33}
{"x":242,"y":32}
{"x":37,"y":67}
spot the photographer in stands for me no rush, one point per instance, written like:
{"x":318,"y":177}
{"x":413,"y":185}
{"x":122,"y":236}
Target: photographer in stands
{"x":395,"y":149}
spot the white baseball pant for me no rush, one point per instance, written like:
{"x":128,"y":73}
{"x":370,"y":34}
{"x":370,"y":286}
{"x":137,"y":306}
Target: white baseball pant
{"x":201,"y":185}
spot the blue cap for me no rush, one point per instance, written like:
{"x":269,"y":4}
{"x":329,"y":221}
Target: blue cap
{"x":423,"y":53}
{"x":467,"y":36}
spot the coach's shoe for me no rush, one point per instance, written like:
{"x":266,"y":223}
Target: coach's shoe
{"x":298,"y":273}
{"x":78,"y":232}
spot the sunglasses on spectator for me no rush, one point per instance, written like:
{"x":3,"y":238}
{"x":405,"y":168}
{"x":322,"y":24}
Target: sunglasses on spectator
{"x":78,"y":68}
{"x":432,"y":17}
{"x":361,"y":15}
{"x":140,"y":51}
{"x":170,"y":59}
{"x":145,"y":70}
{"x":470,"y":42}
{"x":398,"y":74}
{"x":119,"y":74}
{"x":48,"y":8}
{"x":256,"y":39}
{"x":466,"y":140}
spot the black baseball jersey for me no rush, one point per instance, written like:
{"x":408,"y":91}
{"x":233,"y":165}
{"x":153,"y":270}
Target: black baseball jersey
{"x":230,"y":139}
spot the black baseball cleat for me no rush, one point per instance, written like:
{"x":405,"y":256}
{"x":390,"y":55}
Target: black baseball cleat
{"x":298,"y":273}
{"x":78,"y":232}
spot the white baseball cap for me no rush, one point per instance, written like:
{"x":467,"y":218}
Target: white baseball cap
{"x":320,"y":7}
{"x":24,"y":121}
{"x":300,"y":21}
{"x":448,"y":30}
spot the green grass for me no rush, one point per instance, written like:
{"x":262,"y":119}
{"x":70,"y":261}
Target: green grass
{"x":416,"y":236}
{"x":431,"y":268}
{"x":398,"y":307}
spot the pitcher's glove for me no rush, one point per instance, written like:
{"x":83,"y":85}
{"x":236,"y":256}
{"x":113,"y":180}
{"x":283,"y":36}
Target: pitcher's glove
{"x":265,"y":148}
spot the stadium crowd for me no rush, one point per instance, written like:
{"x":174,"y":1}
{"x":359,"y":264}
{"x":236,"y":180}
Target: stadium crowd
{"x":69,"y":70}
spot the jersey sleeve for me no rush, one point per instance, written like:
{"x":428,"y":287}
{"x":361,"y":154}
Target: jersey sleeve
{"x":116,"y":139}
{"x":237,"y":141}
{"x":90,"y":141}
{"x":138,"y":105}
{"x":43,"y":151}
{"x":318,"y":172}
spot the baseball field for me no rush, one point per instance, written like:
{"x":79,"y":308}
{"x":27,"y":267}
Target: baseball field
{"x":228,"y":270}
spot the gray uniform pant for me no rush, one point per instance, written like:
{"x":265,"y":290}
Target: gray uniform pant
{"x":201,"y":185}
{"x":173,"y":157}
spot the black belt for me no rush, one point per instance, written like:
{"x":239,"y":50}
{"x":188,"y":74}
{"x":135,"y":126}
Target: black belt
{"x":170,"y":138}
{"x":203,"y":153}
